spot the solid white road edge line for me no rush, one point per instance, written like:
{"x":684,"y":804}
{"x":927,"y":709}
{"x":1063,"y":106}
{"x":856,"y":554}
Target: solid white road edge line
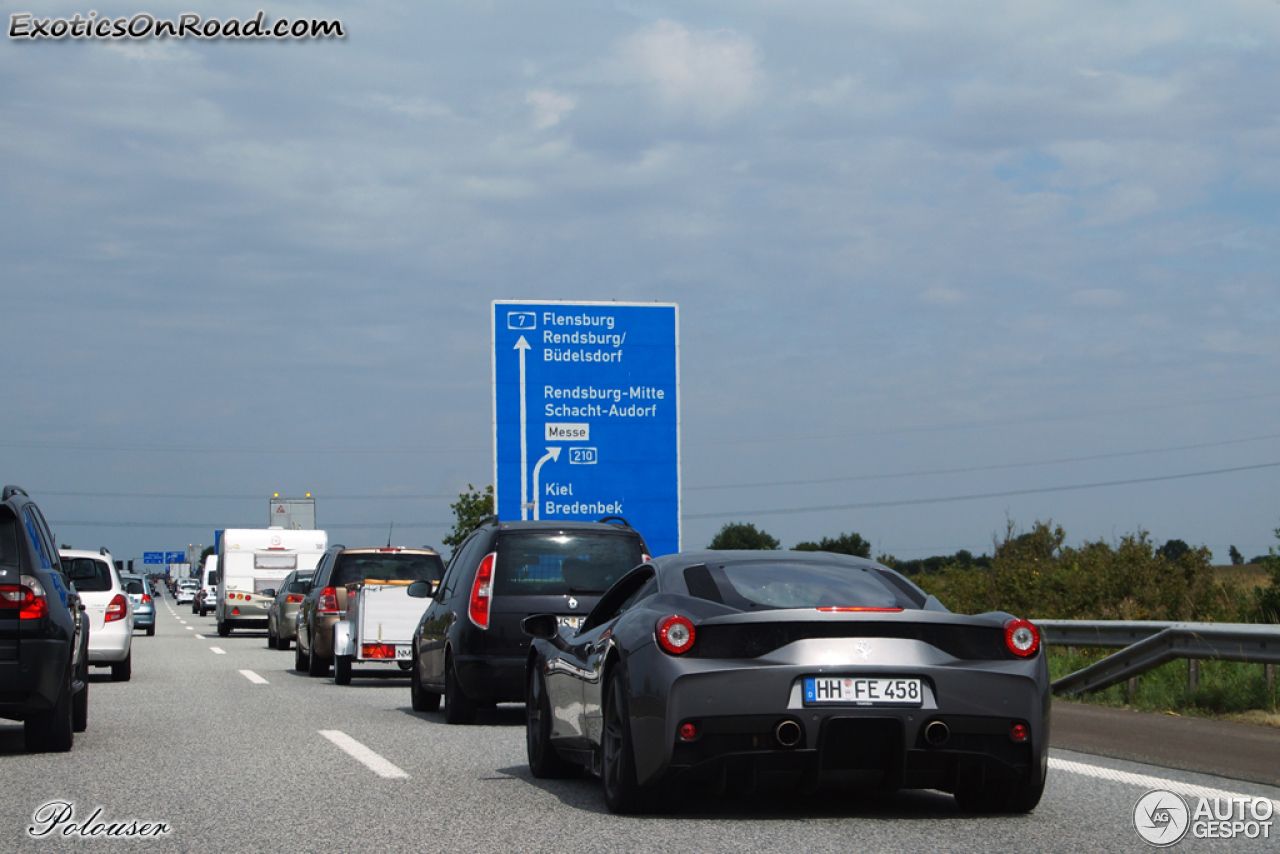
{"x":362,"y":754}
{"x":253,"y":677}
{"x":1143,"y":781}
{"x":217,"y":650}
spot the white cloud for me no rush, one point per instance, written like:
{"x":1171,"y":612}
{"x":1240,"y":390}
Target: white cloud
{"x":549,"y":107}
{"x":712,"y":73}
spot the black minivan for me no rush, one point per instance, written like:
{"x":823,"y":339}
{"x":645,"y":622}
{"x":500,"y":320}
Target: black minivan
{"x":468,"y":646}
{"x":44,"y":631}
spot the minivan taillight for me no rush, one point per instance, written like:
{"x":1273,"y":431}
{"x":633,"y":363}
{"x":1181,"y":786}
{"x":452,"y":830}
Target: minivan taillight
{"x":27,"y":598}
{"x":482,"y":591}
{"x":118,"y":608}
{"x":146,"y":600}
{"x":328,"y":603}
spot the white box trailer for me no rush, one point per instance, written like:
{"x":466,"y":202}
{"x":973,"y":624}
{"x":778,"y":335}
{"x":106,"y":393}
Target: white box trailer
{"x":252,"y":560}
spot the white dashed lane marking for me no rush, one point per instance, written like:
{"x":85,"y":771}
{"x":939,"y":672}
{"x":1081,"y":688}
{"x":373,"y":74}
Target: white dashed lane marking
{"x":362,"y":754}
{"x":1142,"y":780}
{"x":253,"y":677}
{"x":217,"y":650}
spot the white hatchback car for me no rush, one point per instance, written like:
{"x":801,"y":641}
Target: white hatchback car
{"x":108,"y":606}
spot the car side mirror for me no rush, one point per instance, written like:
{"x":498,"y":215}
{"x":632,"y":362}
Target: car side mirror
{"x":544,"y":627}
{"x":421,"y":589}
{"x":269,"y":592}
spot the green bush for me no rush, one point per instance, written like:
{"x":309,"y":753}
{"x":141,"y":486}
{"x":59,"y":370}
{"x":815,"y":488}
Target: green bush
{"x":1033,"y":574}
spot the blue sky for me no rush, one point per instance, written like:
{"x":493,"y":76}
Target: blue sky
{"x":913,"y":237}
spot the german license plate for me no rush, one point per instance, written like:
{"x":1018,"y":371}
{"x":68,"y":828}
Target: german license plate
{"x":862,"y":691}
{"x":404,"y":652}
{"x":571,"y":622}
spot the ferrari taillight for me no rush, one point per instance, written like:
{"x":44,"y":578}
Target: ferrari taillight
{"x":328,"y":603}
{"x":1022,"y":638}
{"x":482,"y":592}
{"x":675,"y":634}
{"x":27,"y":598}
{"x":118,"y":608}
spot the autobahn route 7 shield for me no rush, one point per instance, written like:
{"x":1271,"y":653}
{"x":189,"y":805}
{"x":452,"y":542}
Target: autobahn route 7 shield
{"x":586,"y":414}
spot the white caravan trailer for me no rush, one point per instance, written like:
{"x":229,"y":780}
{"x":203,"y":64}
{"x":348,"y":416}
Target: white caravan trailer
{"x":254,"y":560}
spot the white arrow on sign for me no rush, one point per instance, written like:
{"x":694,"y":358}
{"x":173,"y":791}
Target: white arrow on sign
{"x":523,"y":345}
{"x":552,"y":454}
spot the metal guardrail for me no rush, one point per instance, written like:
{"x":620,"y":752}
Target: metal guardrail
{"x":1146,"y":645}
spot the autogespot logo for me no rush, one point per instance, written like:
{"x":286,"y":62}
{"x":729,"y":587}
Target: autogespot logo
{"x":1161,"y":817}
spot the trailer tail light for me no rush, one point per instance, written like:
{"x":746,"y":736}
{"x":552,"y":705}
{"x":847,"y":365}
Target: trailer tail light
{"x":293,"y":598}
{"x":482,"y":592}
{"x":377,"y":650}
{"x":1022,"y":638}
{"x":27,"y":598}
{"x":328,"y":603}
{"x":675,"y":634}
{"x":118,"y":608}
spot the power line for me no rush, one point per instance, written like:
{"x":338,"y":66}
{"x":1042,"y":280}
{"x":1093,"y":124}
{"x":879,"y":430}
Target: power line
{"x":219,"y":525}
{"x":183,"y":449}
{"x":870,"y":505}
{"x":255,"y":496}
{"x":971,"y":469}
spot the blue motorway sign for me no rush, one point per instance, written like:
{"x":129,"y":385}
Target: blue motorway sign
{"x":175,"y":557}
{"x":586,"y":411}
{"x":153,"y":557}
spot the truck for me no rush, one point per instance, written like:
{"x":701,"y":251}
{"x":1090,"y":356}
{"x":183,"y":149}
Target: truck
{"x":380,"y":615}
{"x":254,"y":560}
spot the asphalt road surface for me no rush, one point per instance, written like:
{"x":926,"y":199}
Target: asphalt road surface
{"x":219,"y":739}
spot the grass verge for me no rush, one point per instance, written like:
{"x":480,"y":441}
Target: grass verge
{"x":1228,"y":690}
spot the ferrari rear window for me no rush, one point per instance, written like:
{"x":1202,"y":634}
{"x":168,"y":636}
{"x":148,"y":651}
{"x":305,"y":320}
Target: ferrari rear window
{"x":562,"y":564}
{"x":759,"y":586}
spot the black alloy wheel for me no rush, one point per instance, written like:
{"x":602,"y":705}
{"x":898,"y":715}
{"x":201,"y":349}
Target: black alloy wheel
{"x":122,"y":671}
{"x":80,"y":703}
{"x":53,"y":731}
{"x":301,"y":661}
{"x":423,"y":700}
{"x":545,"y":762}
{"x":622,"y":793}
{"x":458,"y":707}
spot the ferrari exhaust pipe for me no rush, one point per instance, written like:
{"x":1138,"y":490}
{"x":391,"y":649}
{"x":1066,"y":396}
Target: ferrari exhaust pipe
{"x":936,"y":733}
{"x":788,"y":733}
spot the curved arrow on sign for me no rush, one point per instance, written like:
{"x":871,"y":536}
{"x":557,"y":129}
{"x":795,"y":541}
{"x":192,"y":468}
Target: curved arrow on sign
{"x":552,"y":454}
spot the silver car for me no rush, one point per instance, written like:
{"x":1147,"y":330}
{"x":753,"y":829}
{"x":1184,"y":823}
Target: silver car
{"x":282,"y":614}
{"x":144,"y":610}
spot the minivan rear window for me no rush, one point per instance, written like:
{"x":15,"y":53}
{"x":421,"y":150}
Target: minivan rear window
{"x":373,"y":566}
{"x":87,"y":574}
{"x":562,"y":564}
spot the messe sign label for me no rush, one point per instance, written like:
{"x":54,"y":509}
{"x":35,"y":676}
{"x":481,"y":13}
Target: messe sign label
{"x":586,"y":414}
{"x":153,"y":557}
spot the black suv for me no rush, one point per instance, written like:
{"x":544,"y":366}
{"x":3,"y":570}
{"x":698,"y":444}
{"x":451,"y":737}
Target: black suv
{"x":468,"y":645}
{"x":44,"y":632}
